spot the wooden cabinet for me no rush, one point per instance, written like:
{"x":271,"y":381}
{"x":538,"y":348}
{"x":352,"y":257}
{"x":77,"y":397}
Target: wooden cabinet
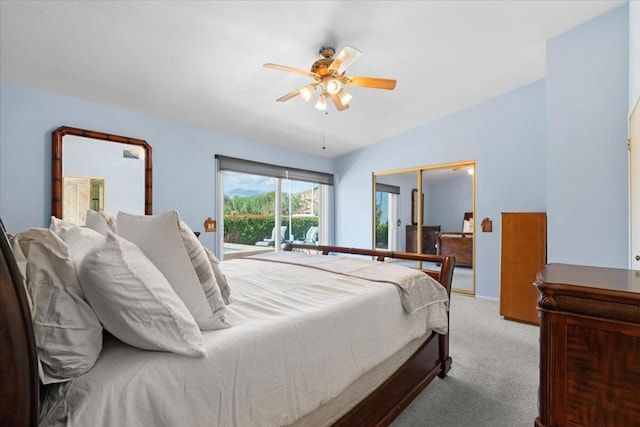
{"x":429,"y":238}
{"x":523,"y":253}
{"x":589,"y":346}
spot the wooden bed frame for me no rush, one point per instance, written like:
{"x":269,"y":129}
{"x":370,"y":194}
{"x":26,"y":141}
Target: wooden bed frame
{"x":19,"y":368}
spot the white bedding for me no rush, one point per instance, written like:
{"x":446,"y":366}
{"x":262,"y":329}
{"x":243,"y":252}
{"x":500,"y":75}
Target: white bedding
{"x":297,"y":340}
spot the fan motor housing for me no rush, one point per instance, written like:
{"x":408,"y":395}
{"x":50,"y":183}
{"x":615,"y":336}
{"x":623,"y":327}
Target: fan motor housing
{"x":321,"y":66}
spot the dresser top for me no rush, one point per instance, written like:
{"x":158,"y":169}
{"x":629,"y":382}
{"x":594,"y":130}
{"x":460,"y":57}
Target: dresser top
{"x":611,"y":279}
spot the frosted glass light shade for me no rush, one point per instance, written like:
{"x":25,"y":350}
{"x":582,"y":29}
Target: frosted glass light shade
{"x":333,"y":86}
{"x":322,"y":103}
{"x":344,"y":97}
{"x":307,"y":91}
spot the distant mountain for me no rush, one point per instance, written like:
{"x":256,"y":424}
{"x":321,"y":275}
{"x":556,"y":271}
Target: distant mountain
{"x":243,"y":192}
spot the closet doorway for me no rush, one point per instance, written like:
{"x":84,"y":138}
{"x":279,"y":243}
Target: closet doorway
{"x":433,"y":213}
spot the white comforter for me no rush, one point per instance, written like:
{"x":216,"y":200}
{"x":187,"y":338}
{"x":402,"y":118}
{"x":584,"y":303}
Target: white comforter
{"x":299,"y":337}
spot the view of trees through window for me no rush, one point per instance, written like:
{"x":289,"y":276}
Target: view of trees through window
{"x":250,"y":203}
{"x":382,"y":220}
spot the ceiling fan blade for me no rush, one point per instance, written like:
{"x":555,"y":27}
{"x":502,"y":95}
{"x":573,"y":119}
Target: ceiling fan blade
{"x":370,"y":82}
{"x":338,"y":103}
{"x":290,"y":69}
{"x":345,"y":58}
{"x":288,"y":96}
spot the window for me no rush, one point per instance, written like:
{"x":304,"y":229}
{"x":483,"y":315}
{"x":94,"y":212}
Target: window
{"x":386,"y":216}
{"x":264,"y":206}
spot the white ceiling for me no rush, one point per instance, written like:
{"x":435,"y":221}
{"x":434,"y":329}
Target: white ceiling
{"x":200,"y":62}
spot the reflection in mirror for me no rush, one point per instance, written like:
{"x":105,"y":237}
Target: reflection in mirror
{"x":98,"y":171}
{"x":444,"y":197}
{"x":386,"y":216}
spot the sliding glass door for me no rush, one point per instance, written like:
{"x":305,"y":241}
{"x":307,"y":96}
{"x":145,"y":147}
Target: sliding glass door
{"x":261,"y":213}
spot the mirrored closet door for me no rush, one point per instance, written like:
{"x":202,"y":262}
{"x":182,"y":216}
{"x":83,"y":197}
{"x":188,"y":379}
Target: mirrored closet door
{"x":428,"y":210}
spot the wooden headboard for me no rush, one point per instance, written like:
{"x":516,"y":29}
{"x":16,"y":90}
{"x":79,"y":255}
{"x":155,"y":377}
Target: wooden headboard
{"x":18,"y":356}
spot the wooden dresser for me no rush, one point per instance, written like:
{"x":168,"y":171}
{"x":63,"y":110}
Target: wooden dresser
{"x":429,"y":238}
{"x":458,"y":245}
{"x":523,"y":252}
{"x":589,"y":346}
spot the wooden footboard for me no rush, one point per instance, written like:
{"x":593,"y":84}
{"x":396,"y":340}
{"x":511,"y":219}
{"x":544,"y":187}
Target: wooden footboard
{"x":432,"y":359}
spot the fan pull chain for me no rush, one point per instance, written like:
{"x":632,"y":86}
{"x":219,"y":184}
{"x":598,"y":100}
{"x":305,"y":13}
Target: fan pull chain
{"x":324,"y":122}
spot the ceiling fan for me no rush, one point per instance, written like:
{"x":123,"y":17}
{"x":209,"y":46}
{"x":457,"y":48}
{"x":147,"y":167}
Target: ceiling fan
{"x":328,"y":74}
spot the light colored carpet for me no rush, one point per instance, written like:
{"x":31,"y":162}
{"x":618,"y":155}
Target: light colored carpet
{"x":494,"y":377}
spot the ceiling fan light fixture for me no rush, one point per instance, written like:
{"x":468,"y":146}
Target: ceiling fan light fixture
{"x":321,"y":104}
{"x":333,"y":86}
{"x":345,"y":97}
{"x":307,"y":91}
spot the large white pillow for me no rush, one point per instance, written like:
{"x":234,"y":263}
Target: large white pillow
{"x":135,"y":302}
{"x":80,"y":240}
{"x":101,"y":222}
{"x":221,"y":279}
{"x":59,"y":225}
{"x":67,"y":332}
{"x":160,"y":240}
{"x":203,"y":267}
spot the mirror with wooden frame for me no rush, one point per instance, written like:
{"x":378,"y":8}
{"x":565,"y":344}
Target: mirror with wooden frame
{"x":99,"y":171}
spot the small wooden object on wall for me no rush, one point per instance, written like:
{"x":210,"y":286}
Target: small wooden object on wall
{"x":209,"y":225}
{"x":487,"y":225}
{"x":523,"y":253}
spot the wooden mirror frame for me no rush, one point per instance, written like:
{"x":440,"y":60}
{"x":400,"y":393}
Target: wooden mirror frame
{"x":414,"y":208}
{"x":56,"y":164}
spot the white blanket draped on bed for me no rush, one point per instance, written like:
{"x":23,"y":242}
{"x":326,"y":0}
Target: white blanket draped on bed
{"x":299,"y":337}
{"x":417,"y":290}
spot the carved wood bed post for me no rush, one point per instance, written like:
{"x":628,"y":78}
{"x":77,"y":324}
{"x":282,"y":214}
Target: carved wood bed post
{"x":18,"y":363}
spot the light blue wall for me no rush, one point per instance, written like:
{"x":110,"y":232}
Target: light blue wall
{"x":184,"y":175}
{"x":504,"y":135}
{"x":587,"y":107}
{"x":447,"y":201}
{"x":634,"y":53}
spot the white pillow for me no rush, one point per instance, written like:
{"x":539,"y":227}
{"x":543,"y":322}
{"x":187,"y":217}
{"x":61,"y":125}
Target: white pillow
{"x":160,"y":240}
{"x":134,"y":301}
{"x":67,"y":332}
{"x":204,"y":269}
{"x":80,"y":240}
{"x":101,"y":222}
{"x":59,"y":225}
{"x":221,"y":280}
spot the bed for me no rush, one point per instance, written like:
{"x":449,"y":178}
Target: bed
{"x":374,"y":396}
